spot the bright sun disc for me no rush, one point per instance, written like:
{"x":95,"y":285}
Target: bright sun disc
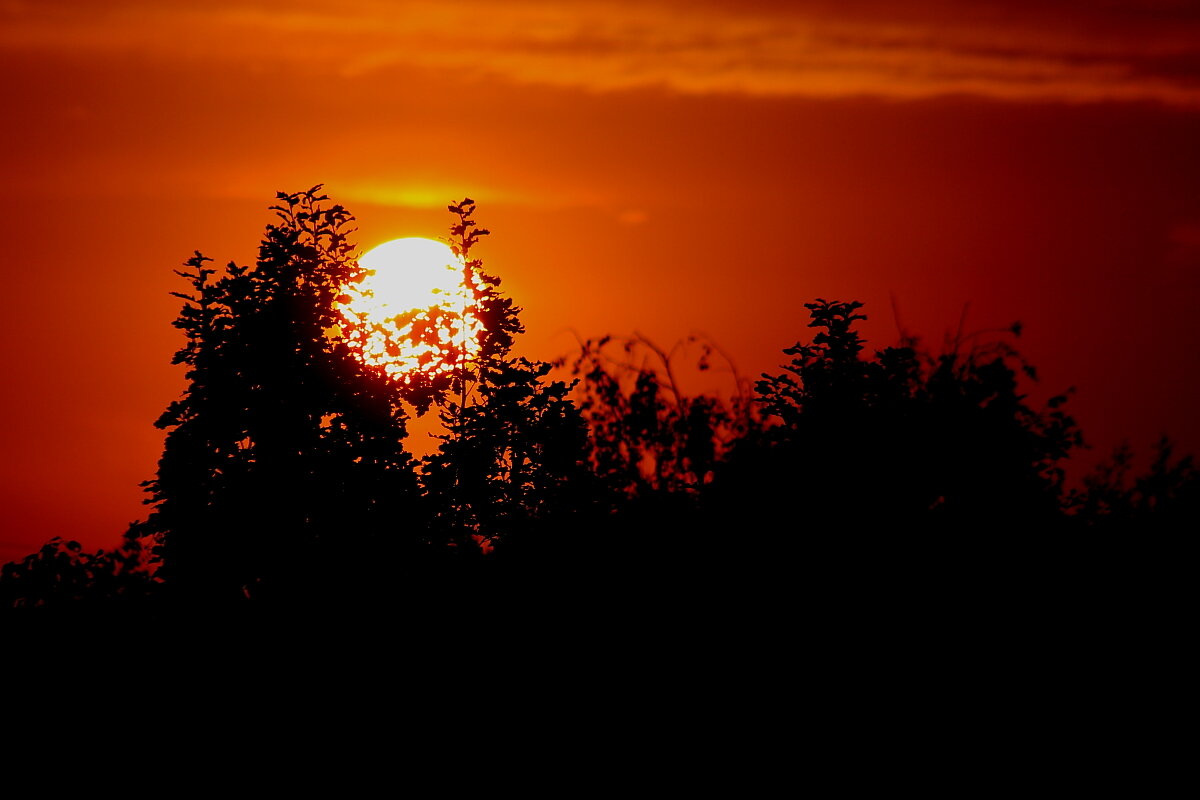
{"x":411,"y":312}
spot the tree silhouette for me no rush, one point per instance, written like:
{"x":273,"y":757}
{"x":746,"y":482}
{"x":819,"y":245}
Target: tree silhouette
{"x":510,"y":468}
{"x":283,"y":465}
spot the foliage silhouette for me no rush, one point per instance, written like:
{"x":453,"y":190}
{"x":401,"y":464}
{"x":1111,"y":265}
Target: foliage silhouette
{"x":653,"y":451}
{"x":284,"y":474}
{"x":283,"y":459}
{"x":1163,"y":500}
{"x":646,"y":434}
{"x":510,"y":469}
{"x":902,"y":445}
{"x":62,"y":574}
{"x":284,"y":479}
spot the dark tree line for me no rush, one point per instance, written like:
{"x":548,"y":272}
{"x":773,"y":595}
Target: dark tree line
{"x":285,"y":480}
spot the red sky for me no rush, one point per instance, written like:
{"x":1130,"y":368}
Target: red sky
{"x":659,"y":166}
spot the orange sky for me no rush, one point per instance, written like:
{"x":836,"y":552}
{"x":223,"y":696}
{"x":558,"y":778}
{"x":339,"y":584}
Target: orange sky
{"x":667,"y":167}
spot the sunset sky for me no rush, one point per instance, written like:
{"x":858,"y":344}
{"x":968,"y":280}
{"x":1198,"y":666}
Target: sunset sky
{"x":659,"y":166}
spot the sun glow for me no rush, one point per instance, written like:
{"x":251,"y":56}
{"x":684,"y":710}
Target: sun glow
{"x":411,"y":314}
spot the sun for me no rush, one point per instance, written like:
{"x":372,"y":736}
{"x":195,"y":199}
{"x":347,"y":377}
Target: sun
{"x":411,"y":314}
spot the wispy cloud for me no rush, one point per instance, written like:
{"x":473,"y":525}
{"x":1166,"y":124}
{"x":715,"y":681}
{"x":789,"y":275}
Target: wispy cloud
{"x":1058,"y":51}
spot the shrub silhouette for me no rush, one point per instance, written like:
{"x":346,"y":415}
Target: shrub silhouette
{"x":646,"y":434}
{"x":63,"y":575}
{"x":653,"y":451}
{"x":902,"y":444}
{"x":1163,"y":500}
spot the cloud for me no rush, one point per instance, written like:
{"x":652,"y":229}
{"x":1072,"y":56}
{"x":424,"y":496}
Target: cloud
{"x":1052,"y":51}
